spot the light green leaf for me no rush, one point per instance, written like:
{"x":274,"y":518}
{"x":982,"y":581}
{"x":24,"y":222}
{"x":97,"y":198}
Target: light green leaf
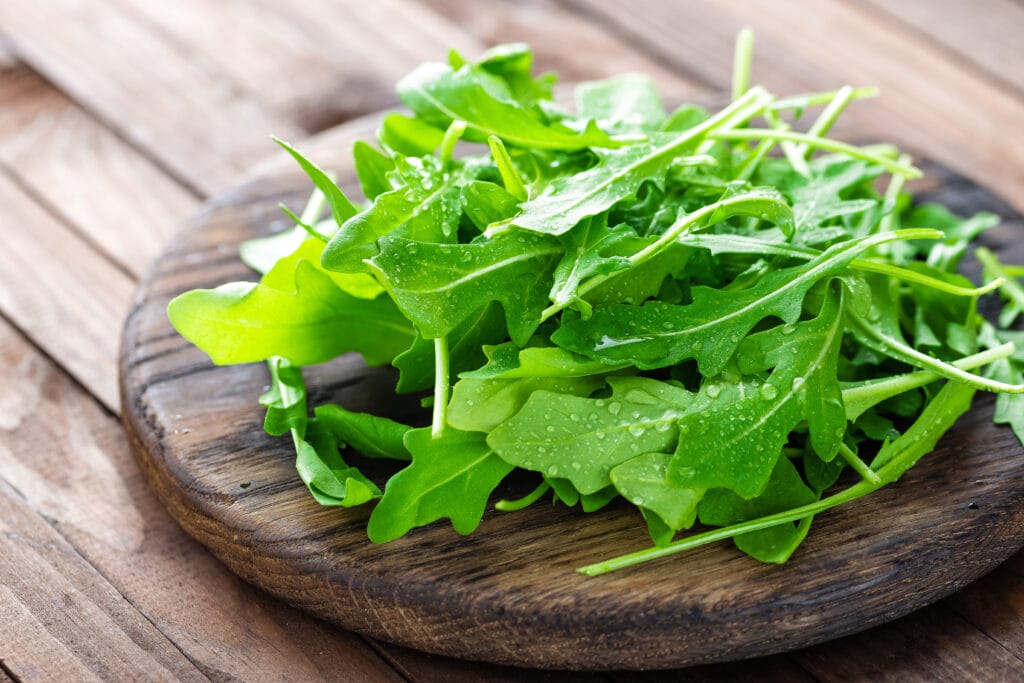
{"x":451,"y":477}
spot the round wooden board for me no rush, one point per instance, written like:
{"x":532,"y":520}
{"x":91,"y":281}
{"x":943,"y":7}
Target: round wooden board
{"x":509,"y":593}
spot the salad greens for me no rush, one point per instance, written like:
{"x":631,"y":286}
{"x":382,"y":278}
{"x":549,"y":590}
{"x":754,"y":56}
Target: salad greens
{"x":711,"y":316}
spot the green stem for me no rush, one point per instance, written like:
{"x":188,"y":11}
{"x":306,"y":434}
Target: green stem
{"x":758,"y":154}
{"x":908,"y":354}
{"x":828,"y":116}
{"x":743,"y":58}
{"x":816,"y":142}
{"x":860,"y":396}
{"x":451,"y":138}
{"x":509,"y":175}
{"x":913,"y":276}
{"x":310,"y":230}
{"x":1010,"y":288}
{"x":858,"y":465}
{"x":892,"y":194}
{"x":525,"y":501}
{"x":814,"y":99}
{"x":441,"y":371}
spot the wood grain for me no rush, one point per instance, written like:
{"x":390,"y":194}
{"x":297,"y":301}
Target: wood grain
{"x":193,"y":121}
{"x":49,"y":594}
{"x":95,"y":181}
{"x":987,"y":37}
{"x":508,"y":593}
{"x":69,"y":462}
{"x":273,"y":52}
{"x":52,"y":281}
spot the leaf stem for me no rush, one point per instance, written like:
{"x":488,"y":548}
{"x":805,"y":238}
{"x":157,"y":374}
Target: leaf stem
{"x":814,"y":99}
{"x":858,"y":465}
{"x":1009,"y":286}
{"x":828,"y":116}
{"x":450,"y":139}
{"x":441,"y":380}
{"x":909,"y":354}
{"x":509,"y":175}
{"x":860,"y":396}
{"x":743,"y":58}
{"x":527,"y":500}
{"x":814,"y":141}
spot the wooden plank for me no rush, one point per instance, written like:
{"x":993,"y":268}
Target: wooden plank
{"x":986,"y":34}
{"x":596,"y":52}
{"x":60,"y":291}
{"x":194,"y":122}
{"x":427,"y":668}
{"x":316,"y":65}
{"x":930,"y":645}
{"x":930,"y":100}
{"x":93,"y":179}
{"x":774,"y":669}
{"x":996,"y":605}
{"x":59,"y":618}
{"x":85,"y":482}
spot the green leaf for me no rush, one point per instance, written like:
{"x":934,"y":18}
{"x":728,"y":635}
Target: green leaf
{"x":285,"y":401}
{"x":439,"y":94}
{"x":485,"y":203}
{"x":372,"y":169}
{"x":619,"y":174}
{"x":437,"y":286}
{"x":623,"y":104}
{"x":513,"y":62}
{"x":735,"y":439}
{"x":582,"y":439}
{"x":643,"y":481}
{"x":341,"y":208}
{"x":371,"y":435}
{"x":427,"y":209}
{"x":329,"y":479}
{"x":484,"y":398}
{"x":451,"y":477}
{"x":466,"y":349}
{"x":243,"y":322}
{"x":589,"y":250}
{"x":710,"y":328}
{"x":785,"y":491}
{"x":410,"y":136}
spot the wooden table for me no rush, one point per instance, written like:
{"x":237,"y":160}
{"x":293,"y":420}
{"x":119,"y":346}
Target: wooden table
{"x":118,"y":118}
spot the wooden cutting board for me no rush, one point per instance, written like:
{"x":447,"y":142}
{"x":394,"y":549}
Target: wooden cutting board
{"x":509,"y":593}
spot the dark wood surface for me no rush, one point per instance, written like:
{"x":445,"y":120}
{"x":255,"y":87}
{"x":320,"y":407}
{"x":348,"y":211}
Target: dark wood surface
{"x":118,"y":118}
{"x":508,"y":593}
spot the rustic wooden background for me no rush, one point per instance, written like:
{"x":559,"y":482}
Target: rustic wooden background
{"x":118,"y":118}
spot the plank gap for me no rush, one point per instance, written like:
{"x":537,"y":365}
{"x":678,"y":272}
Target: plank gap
{"x":6,"y":674}
{"x":54,"y":211}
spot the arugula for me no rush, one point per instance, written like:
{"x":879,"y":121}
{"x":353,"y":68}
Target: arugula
{"x":716,"y":318}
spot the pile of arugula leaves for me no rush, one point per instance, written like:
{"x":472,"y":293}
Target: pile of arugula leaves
{"x":708,"y":315}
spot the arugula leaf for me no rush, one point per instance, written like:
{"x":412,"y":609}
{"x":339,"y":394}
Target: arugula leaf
{"x":582,"y":439}
{"x":439,"y":94}
{"x":371,"y":435}
{"x":244,"y":322}
{"x":437,"y":285}
{"x":623,"y":104}
{"x":785,"y":490}
{"x":451,"y":477}
{"x":710,"y":328}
